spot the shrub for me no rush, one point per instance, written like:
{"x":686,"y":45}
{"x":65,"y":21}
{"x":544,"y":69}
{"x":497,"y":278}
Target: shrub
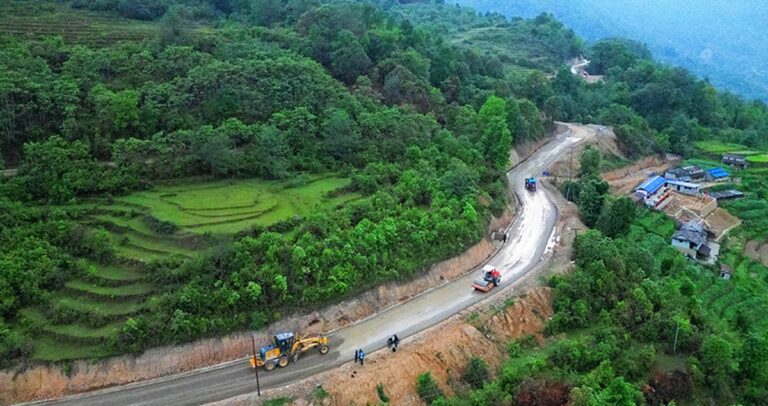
{"x":380,"y":391}
{"x":160,"y":226}
{"x":427,"y":388}
{"x":476,"y":374}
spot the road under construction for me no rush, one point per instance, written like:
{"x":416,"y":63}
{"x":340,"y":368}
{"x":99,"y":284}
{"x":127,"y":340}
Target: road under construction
{"x":530,"y":236}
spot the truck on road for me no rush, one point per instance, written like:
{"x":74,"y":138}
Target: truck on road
{"x":530,"y":184}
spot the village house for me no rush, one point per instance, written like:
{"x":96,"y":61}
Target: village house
{"x":691,"y":240}
{"x":725,"y":272}
{"x":717,"y":175}
{"x":735,"y":160}
{"x":656,"y":189}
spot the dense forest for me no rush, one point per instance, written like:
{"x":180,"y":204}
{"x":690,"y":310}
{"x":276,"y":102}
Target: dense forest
{"x":417,"y":105}
{"x":718,"y":40}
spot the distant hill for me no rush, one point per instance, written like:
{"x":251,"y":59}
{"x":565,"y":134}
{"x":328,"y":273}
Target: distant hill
{"x":721,"y":40}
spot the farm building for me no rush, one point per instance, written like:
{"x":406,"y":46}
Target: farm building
{"x":677,"y":174}
{"x":717,"y":175}
{"x":735,"y":160}
{"x":686,"y":173}
{"x":695,"y":173}
{"x":687,"y":188}
{"x":726,"y":194}
{"x":656,"y":189}
{"x":691,"y":240}
{"x":725,"y":272}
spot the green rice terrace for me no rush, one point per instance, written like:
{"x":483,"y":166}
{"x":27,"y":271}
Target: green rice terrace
{"x":718,"y":147}
{"x":175,"y":221}
{"x":36,"y":19}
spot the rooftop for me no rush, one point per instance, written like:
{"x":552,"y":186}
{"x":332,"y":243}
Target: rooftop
{"x":726,"y":194}
{"x":684,"y":184}
{"x":691,"y":231}
{"x":718,"y":173}
{"x":653,"y":184}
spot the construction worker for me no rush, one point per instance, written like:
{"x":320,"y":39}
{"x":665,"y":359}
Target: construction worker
{"x":362,"y":356}
{"x":396,"y":340}
{"x":357,"y":355}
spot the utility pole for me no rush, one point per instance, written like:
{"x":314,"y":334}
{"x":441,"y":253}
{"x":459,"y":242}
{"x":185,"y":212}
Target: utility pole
{"x":255,"y":367}
{"x":677,"y":330}
{"x":570,"y":177}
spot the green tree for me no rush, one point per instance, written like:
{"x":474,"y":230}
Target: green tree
{"x":348,"y":58}
{"x":496,"y":137}
{"x":590,"y":202}
{"x":616,"y":218}
{"x":590,"y":162}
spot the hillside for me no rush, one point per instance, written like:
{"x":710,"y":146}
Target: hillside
{"x":215,"y":166}
{"x":720,"y":41}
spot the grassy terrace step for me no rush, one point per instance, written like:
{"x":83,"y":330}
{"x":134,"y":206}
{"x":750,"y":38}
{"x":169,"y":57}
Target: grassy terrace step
{"x":80,"y":332}
{"x":133,"y":223}
{"x":112,"y":273}
{"x":137,"y":289}
{"x":158,"y":243}
{"x":90,"y":306}
{"x":52,"y":349}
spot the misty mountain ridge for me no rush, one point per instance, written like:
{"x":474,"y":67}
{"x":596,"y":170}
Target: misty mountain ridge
{"x":719,"y":40}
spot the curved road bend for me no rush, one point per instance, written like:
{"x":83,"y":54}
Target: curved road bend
{"x":530,"y":234}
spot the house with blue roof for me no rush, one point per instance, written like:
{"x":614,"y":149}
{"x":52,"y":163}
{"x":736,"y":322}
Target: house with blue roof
{"x":652,"y":185}
{"x":717,"y":175}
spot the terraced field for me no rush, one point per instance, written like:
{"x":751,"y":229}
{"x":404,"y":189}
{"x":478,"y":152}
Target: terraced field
{"x":178,"y":221}
{"x":38,"y":19}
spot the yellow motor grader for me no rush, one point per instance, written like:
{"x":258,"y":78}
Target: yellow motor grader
{"x":286,"y":347}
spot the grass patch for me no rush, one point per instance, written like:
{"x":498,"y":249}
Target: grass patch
{"x":718,"y":147}
{"x":111,"y":272}
{"x":758,"y":158}
{"x":80,"y":331}
{"x":51,"y":349}
{"x":91,"y":306}
{"x":657,"y":223}
{"x":137,"y":289}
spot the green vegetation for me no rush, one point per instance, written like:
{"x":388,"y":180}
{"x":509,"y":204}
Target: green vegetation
{"x":637,"y":315}
{"x":288,"y":155}
{"x":427,"y":388}
{"x":40,"y":20}
{"x":241,"y":162}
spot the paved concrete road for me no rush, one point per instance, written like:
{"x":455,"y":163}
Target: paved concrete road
{"x":530,"y":235}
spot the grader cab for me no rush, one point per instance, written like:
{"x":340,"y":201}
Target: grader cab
{"x":286,"y":347}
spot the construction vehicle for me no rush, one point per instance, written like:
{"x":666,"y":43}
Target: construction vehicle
{"x":286,"y":347}
{"x":491,"y":277}
{"x":530,"y":184}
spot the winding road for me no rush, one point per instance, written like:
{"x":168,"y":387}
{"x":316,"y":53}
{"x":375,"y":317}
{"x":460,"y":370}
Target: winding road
{"x":530,"y":236}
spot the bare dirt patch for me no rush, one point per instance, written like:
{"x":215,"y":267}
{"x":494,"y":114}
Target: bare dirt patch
{"x":624,"y":180}
{"x":568,"y":164}
{"x":720,"y":222}
{"x":757,"y":250}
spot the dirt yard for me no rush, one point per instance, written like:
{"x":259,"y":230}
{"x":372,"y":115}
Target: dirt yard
{"x":757,"y":250}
